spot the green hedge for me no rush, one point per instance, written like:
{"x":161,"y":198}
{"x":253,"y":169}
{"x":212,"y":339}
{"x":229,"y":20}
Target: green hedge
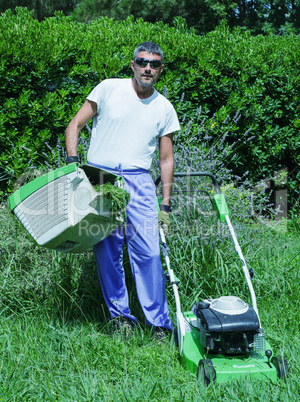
{"x":47,"y":68}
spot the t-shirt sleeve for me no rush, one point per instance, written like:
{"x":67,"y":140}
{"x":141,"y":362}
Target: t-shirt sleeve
{"x":97,"y":95}
{"x":171,"y":122}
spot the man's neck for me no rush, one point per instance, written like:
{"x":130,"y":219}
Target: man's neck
{"x":142,"y":92}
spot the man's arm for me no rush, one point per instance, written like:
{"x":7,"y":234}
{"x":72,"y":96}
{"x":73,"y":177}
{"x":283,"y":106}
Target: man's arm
{"x":84,"y":115}
{"x":166,"y":164}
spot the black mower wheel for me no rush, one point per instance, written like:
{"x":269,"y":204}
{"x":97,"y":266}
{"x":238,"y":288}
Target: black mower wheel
{"x":281,"y":366}
{"x":206,"y":373}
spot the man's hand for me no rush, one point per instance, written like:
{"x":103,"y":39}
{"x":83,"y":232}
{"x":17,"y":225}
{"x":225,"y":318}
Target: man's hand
{"x":164,"y":217}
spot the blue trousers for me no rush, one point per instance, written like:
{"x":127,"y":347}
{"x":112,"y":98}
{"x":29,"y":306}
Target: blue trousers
{"x":141,"y":232}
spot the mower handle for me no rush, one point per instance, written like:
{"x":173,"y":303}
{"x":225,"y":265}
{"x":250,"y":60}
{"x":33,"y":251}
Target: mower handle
{"x":233,"y":236}
{"x":183,"y":174}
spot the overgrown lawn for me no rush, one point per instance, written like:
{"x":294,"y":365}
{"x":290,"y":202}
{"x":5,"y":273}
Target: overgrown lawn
{"x":55,"y":340}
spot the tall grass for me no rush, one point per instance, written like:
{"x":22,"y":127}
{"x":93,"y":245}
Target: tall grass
{"x":55,"y":341}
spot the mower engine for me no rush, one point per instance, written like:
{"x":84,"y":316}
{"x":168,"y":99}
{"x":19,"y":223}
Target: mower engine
{"x":227,"y":325}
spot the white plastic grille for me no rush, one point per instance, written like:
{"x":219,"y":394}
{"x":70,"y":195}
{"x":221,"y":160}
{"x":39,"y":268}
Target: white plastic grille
{"x":45,"y":208}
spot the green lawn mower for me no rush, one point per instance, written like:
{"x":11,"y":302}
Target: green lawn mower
{"x":222,"y":338}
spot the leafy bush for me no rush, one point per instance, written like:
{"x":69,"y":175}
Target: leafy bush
{"x":47,"y":68}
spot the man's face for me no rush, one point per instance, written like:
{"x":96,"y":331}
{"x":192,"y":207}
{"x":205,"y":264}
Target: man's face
{"x":146,"y":76}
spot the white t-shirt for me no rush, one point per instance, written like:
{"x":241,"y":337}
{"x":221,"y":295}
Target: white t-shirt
{"x":126,"y":128}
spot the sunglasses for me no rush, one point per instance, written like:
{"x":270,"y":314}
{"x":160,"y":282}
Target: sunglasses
{"x":140,"y":61}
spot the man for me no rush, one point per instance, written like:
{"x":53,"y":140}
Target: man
{"x":128,"y":117}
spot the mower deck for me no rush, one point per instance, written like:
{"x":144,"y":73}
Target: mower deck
{"x":218,"y":367}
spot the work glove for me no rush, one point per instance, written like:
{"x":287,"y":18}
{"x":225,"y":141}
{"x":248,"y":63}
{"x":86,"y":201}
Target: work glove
{"x":164,"y":217}
{"x":72,"y":159}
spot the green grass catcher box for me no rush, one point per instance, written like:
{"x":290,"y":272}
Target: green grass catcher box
{"x":66,"y":209}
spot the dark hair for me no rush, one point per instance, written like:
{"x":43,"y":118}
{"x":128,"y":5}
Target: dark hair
{"x":149,"y":47}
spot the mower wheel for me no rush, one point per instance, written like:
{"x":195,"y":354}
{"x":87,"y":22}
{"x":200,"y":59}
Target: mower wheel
{"x":281,"y":366}
{"x":206,"y":372}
